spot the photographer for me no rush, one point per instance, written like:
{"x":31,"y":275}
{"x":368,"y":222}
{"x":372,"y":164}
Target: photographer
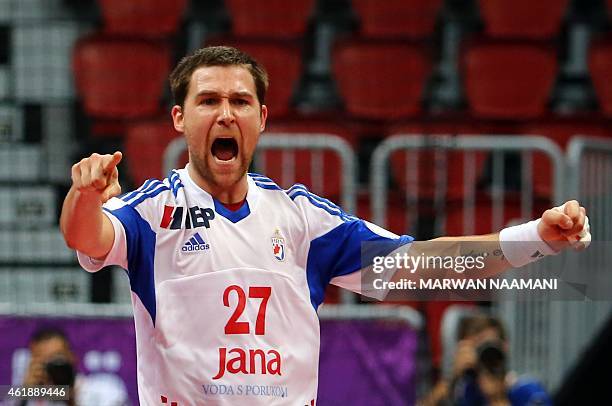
{"x":52,"y":362}
{"x":480,"y":375}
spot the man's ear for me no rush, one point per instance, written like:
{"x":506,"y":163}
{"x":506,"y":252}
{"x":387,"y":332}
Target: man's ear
{"x":177,"y":118}
{"x":264,"y":117}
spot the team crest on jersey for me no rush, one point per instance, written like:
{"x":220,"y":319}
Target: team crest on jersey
{"x":278,"y":245}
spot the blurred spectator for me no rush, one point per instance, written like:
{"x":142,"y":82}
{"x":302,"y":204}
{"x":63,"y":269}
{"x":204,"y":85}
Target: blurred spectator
{"x":480,"y":375}
{"x":52,"y":362}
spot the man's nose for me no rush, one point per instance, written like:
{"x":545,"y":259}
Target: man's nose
{"x":226,"y":115}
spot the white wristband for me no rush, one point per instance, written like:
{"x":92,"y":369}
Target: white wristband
{"x":522,"y":244}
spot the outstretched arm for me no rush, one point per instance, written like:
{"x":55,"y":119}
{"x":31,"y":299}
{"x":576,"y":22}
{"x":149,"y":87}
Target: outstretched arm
{"x":85,"y":227}
{"x":558,"y":228}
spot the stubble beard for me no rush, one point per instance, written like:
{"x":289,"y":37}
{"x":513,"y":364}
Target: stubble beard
{"x":216,"y":180}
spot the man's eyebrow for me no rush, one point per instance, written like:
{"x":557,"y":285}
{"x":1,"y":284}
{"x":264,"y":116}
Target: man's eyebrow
{"x":207,"y":93}
{"x":240,"y":93}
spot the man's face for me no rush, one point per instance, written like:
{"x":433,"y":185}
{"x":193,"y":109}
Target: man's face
{"x":486,"y":335}
{"x":42,"y":352}
{"x":48,"y":349}
{"x":221,"y":119}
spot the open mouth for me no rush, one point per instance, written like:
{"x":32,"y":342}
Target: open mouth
{"x":224,"y":149}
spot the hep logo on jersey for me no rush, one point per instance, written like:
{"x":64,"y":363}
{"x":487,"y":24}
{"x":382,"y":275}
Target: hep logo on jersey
{"x":194,"y":217}
{"x":278,"y":245}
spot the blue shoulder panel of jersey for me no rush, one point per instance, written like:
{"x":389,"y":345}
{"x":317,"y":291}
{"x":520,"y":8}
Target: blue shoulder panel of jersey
{"x":339,"y":252}
{"x":264,"y":182}
{"x":175,"y":182}
{"x":151,"y":188}
{"x":300,"y":190}
{"x":145,"y":186}
{"x":140,"y":240}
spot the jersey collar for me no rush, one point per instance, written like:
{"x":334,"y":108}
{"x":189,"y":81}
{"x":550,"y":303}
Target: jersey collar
{"x":233,"y":216}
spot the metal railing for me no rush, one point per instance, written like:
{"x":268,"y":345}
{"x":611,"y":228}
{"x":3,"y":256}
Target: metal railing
{"x":467,"y":143}
{"x":573,"y":324}
{"x":526,"y":321}
{"x":317,"y":142}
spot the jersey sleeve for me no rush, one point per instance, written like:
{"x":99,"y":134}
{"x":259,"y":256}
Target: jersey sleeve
{"x":134,"y":242}
{"x":116,"y":256}
{"x":341,"y":245}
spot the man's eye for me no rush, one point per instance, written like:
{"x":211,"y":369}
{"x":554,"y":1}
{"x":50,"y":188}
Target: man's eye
{"x":209,"y":101}
{"x":241,"y":102}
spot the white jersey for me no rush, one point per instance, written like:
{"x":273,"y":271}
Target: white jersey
{"x":225,"y":301}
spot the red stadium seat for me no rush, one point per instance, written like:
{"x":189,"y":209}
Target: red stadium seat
{"x":426,"y":165}
{"x":397,"y":18}
{"x":320,"y":171}
{"x":120,"y":80}
{"x":561,"y":132}
{"x":600,"y":66}
{"x":283,"y":62}
{"x":508,"y":80}
{"x":482,"y":220}
{"x":145,"y":143}
{"x":142,"y":18}
{"x":309,"y":125}
{"x":526,"y":19}
{"x":279,"y":19}
{"x":381,"y":80}
{"x":399,"y":216}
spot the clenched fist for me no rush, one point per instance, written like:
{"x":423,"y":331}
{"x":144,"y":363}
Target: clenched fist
{"x":98,"y":174}
{"x":565,"y":224}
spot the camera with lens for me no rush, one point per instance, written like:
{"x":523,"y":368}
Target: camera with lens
{"x":491,"y":358}
{"x":60,"y":371}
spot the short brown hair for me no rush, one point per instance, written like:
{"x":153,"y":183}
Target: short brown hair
{"x":478,"y":323}
{"x":48,"y":333}
{"x":215,"y":56}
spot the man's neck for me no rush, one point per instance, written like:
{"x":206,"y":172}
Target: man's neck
{"x":233,"y":206}
{"x":227,"y":195}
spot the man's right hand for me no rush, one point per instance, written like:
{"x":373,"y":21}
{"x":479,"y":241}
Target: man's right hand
{"x":94,"y":180}
{"x":98,"y":174}
{"x":465,"y":357}
{"x":35,"y":374}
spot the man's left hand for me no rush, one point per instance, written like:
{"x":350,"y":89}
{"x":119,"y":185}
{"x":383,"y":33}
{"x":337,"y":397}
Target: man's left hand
{"x":564,"y":226}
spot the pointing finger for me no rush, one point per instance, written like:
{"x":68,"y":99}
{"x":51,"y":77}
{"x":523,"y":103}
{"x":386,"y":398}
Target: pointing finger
{"x":112,"y":162}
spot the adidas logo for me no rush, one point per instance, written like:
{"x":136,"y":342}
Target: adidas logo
{"x":195,"y":244}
